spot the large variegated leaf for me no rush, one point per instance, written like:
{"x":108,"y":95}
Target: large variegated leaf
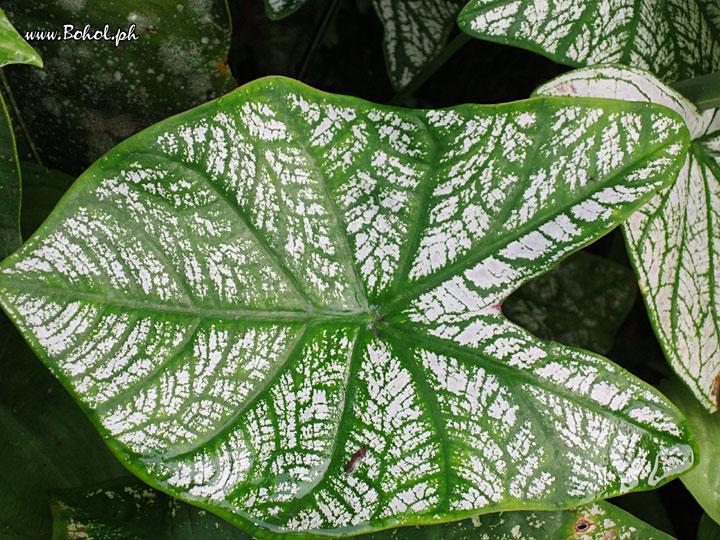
{"x":673,"y":241}
{"x":581,"y":302}
{"x":704,"y":480}
{"x":94,"y":94}
{"x":281,"y":306}
{"x":415,"y":33}
{"x":129,"y":509}
{"x":675,"y":39}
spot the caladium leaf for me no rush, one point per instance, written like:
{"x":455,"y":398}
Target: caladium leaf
{"x":415,"y":33}
{"x":581,"y":302}
{"x":673,"y":241}
{"x":675,"y":39}
{"x":129,"y":509}
{"x":280,"y":306}
{"x":704,"y":480}
{"x":13,"y":48}
{"x":93,"y":94}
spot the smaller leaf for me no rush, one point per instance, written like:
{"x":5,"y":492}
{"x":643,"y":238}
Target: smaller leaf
{"x":128,"y":509}
{"x":47,"y":443}
{"x":415,"y":33}
{"x":13,"y":48}
{"x":42,"y":189}
{"x":708,"y":529}
{"x":704,"y":480}
{"x":277,"y":9}
{"x":675,"y":39}
{"x":581,"y":302}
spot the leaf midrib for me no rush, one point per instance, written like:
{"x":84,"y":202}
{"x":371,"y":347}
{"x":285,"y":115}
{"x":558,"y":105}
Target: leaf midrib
{"x":194,"y":310}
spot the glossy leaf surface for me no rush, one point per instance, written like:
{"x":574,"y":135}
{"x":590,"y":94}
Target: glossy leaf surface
{"x":673,"y":241}
{"x":581,"y":302}
{"x":415,"y":33}
{"x":281,"y":306}
{"x":131,"y":510}
{"x":675,"y":39}
{"x":704,"y":480}
{"x":13,"y":48}
{"x":94,"y":94}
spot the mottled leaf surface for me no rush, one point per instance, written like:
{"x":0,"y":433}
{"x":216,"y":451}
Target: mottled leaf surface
{"x":415,"y":33}
{"x":47,"y":442}
{"x":130,"y":510}
{"x":674,"y":240}
{"x":704,"y":480}
{"x":94,"y":94}
{"x":675,"y":39}
{"x":281,"y":306}
{"x":581,"y":302}
{"x":13,"y":48}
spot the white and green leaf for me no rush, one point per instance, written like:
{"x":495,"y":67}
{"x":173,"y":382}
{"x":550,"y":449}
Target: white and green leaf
{"x":281,"y":306}
{"x":673,"y":240}
{"x":277,"y":9}
{"x":415,"y":33}
{"x":675,"y":39}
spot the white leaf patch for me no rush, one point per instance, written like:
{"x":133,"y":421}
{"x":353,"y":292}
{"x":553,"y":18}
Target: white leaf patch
{"x":675,"y":39}
{"x":673,"y":241}
{"x":282,"y":306}
{"x":415,"y":33}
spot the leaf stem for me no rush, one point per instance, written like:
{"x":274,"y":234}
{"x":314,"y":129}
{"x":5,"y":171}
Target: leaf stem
{"x":322,"y":27}
{"x":704,"y":91}
{"x":448,"y":52}
{"x":19,"y":117}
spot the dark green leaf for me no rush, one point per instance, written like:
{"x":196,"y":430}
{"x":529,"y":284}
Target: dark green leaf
{"x":581,"y":302}
{"x":704,"y":480}
{"x":130,"y":510}
{"x":93,"y":94}
{"x":708,"y":529}
{"x":47,"y":442}
{"x":281,"y":306}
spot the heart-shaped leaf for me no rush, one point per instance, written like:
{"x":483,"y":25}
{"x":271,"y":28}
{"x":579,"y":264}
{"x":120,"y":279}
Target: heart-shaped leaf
{"x":704,"y":480}
{"x":675,"y":39}
{"x":94,"y":94}
{"x":281,"y":306}
{"x":581,"y":302}
{"x":415,"y":33}
{"x":673,"y":241}
{"x":129,"y":509}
